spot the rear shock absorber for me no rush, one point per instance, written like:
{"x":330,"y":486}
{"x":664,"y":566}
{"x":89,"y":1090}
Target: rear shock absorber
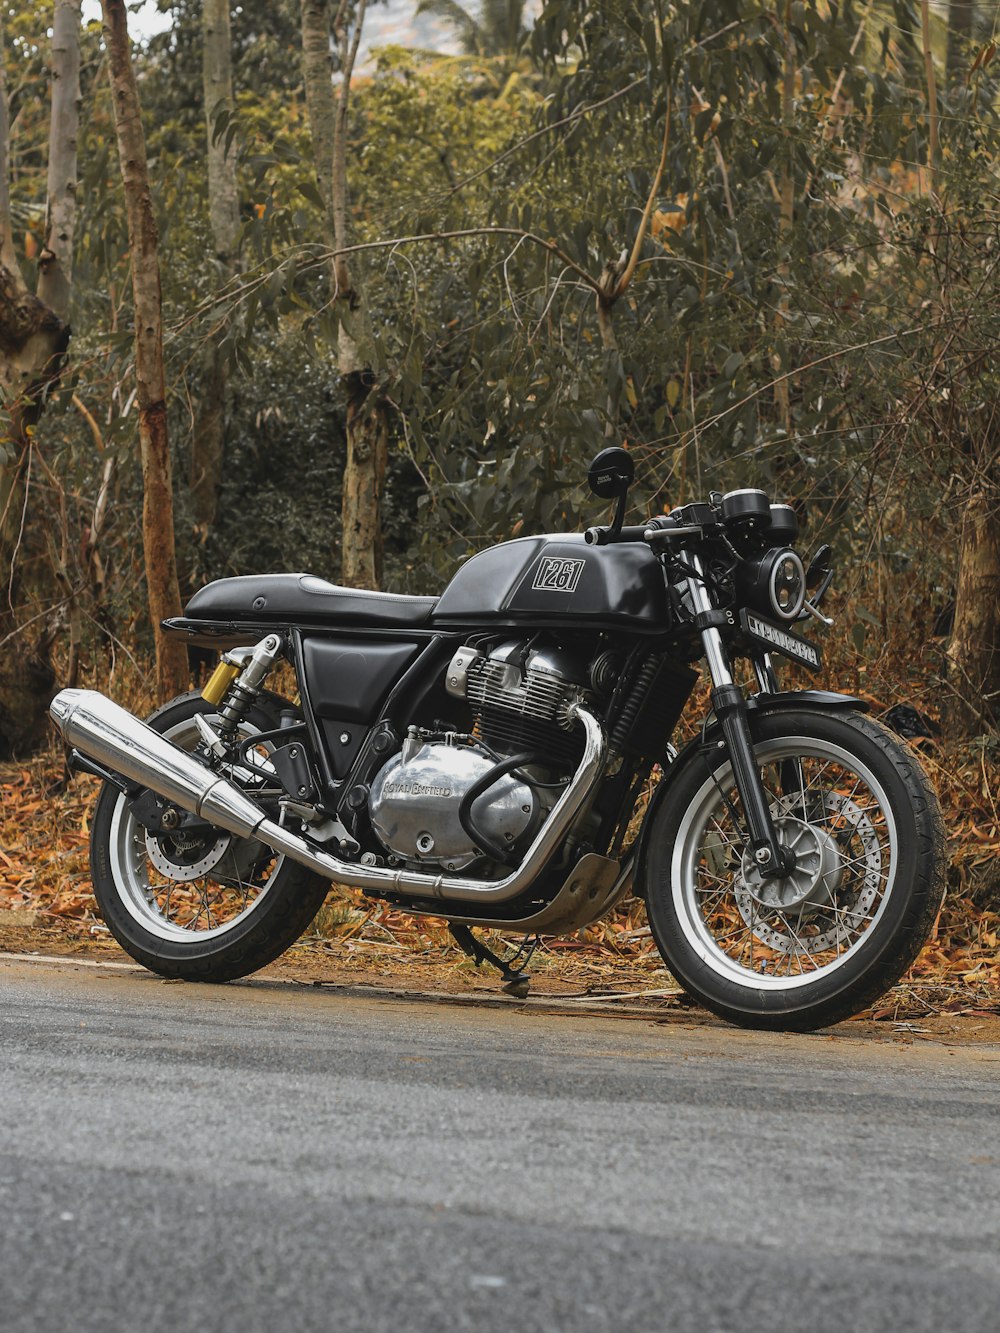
{"x":240,"y":696}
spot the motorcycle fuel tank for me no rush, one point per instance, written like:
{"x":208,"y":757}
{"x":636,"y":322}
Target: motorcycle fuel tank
{"x":559,"y":577}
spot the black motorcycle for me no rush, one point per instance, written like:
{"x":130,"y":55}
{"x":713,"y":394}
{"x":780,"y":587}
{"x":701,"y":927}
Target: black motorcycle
{"x":480,"y":756}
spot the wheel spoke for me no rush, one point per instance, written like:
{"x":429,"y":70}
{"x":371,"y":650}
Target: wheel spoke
{"x":175,"y":905}
{"x":827,"y":811}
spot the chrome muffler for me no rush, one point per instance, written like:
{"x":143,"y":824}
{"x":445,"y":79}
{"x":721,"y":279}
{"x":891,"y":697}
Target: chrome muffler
{"x":105,"y":732}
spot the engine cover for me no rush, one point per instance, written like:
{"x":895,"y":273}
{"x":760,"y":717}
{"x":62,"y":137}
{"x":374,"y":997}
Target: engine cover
{"x":414,"y":804}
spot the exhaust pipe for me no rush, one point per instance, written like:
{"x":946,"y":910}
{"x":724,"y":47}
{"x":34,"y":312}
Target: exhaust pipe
{"x":114,"y":738}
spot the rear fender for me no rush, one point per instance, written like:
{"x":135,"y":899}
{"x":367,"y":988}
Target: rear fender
{"x":757,"y":705}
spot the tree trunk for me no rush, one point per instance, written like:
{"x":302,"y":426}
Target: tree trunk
{"x":157,"y":503}
{"x":974,"y":651}
{"x":317,"y":69}
{"x":786,"y":222}
{"x":8,"y":254}
{"x":933,"y":144}
{"x":367,"y":417}
{"x":961,"y":21}
{"x":364,"y":481}
{"x":55,"y":263}
{"x":208,"y":439}
{"x":33,"y":340}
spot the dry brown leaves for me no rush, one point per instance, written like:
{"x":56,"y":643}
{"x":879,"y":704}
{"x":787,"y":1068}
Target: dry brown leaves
{"x":46,"y":831}
{"x":44,"y":877}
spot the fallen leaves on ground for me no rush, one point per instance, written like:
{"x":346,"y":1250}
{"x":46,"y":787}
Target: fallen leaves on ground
{"x":45,"y":880}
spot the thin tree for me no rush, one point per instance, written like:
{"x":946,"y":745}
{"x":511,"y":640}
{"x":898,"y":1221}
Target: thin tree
{"x":55,"y":263}
{"x":151,"y":394}
{"x":367,"y":419}
{"x":961,"y":25}
{"x":209,"y":435}
{"x":974,"y":649}
{"x":34,"y":334}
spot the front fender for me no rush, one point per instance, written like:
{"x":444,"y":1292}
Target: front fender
{"x":769,"y":703}
{"x":756,"y":706}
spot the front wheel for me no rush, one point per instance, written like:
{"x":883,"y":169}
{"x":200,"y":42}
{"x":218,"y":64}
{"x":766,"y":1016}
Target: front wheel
{"x":198,"y":903}
{"x":822,"y":943}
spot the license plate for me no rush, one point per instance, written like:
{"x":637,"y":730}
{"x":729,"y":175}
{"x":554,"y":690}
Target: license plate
{"x":781,"y":640}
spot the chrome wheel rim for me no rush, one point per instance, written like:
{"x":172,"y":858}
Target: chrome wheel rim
{"x":235,"y":882}
{"x":782,"y":934}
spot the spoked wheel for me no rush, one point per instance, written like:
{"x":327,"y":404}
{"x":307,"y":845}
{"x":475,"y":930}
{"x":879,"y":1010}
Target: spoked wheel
{"x":193,"y":901}
{"x":826,"y":940}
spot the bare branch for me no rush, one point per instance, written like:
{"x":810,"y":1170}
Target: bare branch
{"x":647,"y":212}
{"x":574,"y":116}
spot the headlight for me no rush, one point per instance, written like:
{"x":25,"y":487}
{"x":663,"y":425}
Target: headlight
{"x":775,"y":584}
{"x":786,"y":583}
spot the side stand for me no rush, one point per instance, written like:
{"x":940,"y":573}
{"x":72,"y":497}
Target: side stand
{"x":515,"y":982}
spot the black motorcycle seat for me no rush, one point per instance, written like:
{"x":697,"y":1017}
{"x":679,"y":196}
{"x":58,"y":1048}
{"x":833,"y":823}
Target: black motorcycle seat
{"x":288,"y":598}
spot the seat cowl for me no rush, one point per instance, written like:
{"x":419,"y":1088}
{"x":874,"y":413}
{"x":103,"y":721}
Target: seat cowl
{"x":288,"y":598}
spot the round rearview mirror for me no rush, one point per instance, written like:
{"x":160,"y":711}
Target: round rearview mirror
{"x":611,"y":473}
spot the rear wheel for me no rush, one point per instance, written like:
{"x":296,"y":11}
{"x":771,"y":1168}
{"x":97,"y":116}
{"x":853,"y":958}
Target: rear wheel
{"x":197,"y":903}
{"x":827,"y":940}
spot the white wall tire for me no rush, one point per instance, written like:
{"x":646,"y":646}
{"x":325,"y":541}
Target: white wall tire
{"x":804,"y":954}
{"x":246,"y":908}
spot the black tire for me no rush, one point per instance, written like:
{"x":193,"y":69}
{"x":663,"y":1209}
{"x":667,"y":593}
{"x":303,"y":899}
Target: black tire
{"x":288,"y":898}
{"x":707,"y":908}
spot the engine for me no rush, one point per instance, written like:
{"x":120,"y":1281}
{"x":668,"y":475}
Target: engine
{"x":449,"y":799}
{"x":519,"y":697}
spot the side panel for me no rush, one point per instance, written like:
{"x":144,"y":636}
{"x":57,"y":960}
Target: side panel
{"x":346,"y":681}
{"x":559,"y":577}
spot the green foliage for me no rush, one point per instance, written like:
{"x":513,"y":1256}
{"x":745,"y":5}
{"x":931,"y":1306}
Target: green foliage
{"x":873,"y":300}
{"x":265,"y":53}
{"x":491,"y":28}
{"x":839,"y":301}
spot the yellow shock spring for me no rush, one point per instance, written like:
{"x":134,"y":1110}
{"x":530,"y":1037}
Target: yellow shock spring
{"x":218,"y":683}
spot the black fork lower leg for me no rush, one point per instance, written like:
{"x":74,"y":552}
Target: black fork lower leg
{"x":730,"y":708}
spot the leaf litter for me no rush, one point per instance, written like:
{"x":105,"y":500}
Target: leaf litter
{"x":46,"y":900}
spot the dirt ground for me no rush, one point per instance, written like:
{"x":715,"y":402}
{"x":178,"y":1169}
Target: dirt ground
{"x":562,"y":976}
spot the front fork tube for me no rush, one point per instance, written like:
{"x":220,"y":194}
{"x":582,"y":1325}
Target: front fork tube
{"x":730,"y":707}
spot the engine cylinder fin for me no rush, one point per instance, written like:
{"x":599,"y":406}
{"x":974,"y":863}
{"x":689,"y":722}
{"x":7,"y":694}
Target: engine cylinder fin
{"x":516,"y":710}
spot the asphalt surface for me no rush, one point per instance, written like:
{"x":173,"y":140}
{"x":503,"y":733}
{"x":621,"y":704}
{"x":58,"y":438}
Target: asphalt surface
{"x":270,"y":1157}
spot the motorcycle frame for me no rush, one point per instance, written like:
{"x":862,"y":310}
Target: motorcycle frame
{"x":731,"y":707}
{"x":518,"y":900}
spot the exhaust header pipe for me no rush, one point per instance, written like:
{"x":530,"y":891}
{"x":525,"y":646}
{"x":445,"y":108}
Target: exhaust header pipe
{"x":114,"y":738}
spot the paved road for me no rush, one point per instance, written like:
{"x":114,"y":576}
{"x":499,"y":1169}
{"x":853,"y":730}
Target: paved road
{"x":264,"y":1157}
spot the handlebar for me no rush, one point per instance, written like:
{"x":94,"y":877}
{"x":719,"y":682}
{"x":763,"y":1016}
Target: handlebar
{"x":606,"y":536}
{"x":660,"y":526}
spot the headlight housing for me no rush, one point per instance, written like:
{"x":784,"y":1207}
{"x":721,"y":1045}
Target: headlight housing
{"x":775,"y":583}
